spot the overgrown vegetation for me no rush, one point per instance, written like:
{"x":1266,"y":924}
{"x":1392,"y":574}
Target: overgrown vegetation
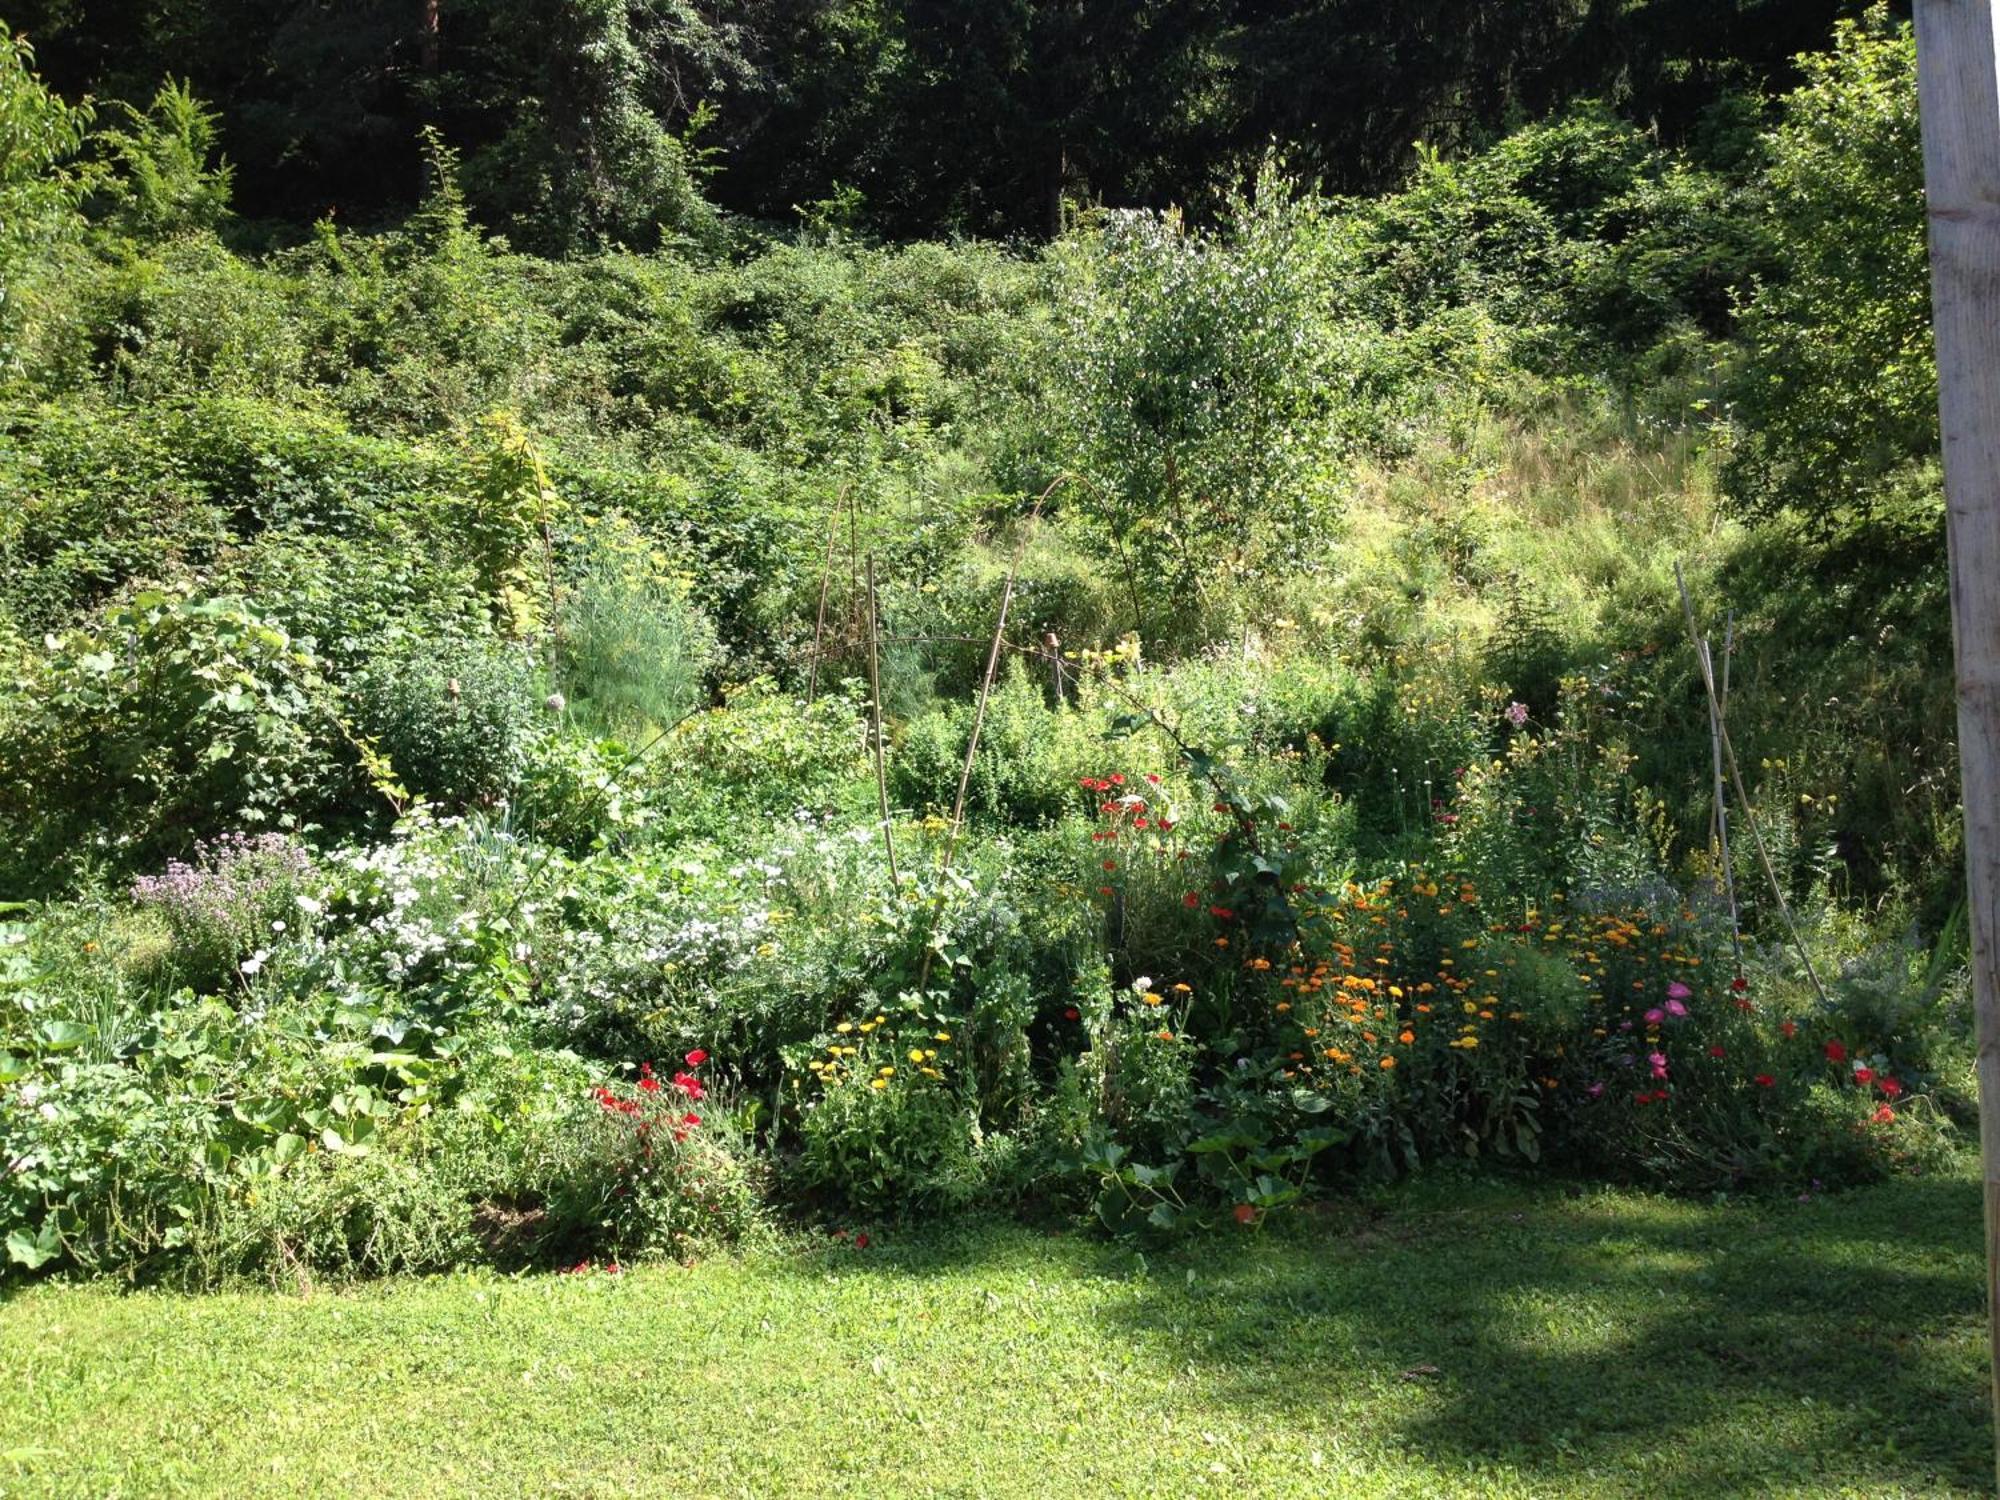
{"x":438,"y":796}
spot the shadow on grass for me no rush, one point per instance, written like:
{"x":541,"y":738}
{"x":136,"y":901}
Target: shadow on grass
{"x":1645,"y":1345}
{"x":1686,"y":1348}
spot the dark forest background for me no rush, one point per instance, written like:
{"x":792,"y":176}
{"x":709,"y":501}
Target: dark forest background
{"x":585,"y":123}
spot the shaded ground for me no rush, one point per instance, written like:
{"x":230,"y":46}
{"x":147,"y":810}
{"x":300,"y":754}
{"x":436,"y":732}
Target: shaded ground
{"x":1453,"y":1339}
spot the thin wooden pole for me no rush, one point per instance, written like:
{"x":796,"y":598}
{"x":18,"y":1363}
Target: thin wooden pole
{"x":1743,"y":797}
{"x":1959,"y":96}
{"x":1719,"y":817}
{"x":978,"y":721}
{"x":1722,"y":807}
{"x":875,"y":723}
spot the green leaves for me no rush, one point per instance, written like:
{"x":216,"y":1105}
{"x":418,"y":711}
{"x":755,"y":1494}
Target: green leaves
{"x":34,"y":1249}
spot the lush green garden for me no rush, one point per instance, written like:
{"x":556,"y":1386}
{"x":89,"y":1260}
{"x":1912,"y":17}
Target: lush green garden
{"x":1172,"y":757}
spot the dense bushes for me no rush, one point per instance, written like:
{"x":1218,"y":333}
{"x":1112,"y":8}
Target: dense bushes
{"x":435,"y":735}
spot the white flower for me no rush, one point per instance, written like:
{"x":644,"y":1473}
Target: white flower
{"x":1141,"y":985}
{"x":255,"y":961}
{"x":555,"y":703}
{"x":309,"y":906}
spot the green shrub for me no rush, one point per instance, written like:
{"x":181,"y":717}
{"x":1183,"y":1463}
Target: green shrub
{"x":455,"y":718}
{"x":883,"y":1137}
{"x":632,"y":647}
{"x":177,"y":720}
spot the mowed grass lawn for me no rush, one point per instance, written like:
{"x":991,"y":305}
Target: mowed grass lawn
{"x":1452,"y":1338}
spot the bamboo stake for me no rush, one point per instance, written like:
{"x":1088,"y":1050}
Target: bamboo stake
{"x":1959,"y":102}
{"x":978,"y":721}
{"x":1722,"y":806}
{"x":875,"y":717}
{"x":1743,"y":797}
{"x":1719,"y":814}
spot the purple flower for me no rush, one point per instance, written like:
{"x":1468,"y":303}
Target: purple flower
{"x":1517,"y":714}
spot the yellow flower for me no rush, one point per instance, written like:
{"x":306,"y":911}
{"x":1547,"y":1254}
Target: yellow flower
{"x":886,"y":1072}
{"x":916,"y":1054}
{"x":878,"y":1083}
{"x":844,"y":1027}
{"x":944,"y":1036}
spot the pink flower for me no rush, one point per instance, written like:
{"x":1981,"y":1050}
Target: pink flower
{"x":1655,"y":1016}
{"x":1678,"y":991}
{"x":1658,"y":1062}
{"x":1676,"y":1009}
{"x":1517,"y":714}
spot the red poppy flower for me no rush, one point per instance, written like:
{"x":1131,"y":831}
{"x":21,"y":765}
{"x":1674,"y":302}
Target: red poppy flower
{"x":1864,"y":1075}
{"x":1883,"y":1115}
{"x":1766,"y":1081}
{"x":696,"y":1058}
{"x":1118,"y":778}
{"x":688,"y":1084}
{"x":1891,"y":1088}
{"x":861,"y":1242}
{"x":1788,"y":1029}
{"x":1717,"y":1052}
{"x":1739,"y":984}
{"x":1072,"y":1014}
{"x":1245,"y":1213}
{"x":1191,"y":900}
{"x":1111,"y":864}
{"x":650,"y":1084}
{"x":1836,"y":1051}
{"x":690,"y":1118}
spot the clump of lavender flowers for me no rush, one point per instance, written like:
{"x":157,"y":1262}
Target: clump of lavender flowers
{"x":241,"y":894}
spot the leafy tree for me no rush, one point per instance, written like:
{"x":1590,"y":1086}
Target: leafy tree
{"x":1838,"y":389}
{"x":1198,"y":383}
{"x":164,"y":176}
{"x":586,"y":156}
{"x":39,"y":191}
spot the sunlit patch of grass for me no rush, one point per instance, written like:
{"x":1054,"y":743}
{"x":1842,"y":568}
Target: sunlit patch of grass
{"x":1452,"y":1337}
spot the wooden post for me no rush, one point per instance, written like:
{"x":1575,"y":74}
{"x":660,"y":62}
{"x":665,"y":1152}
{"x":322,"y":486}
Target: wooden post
{"x":1960,"y":99}
{"x":875,"y":723}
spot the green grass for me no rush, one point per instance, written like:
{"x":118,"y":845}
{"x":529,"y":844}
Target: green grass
{"x":1453,"y":1339}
